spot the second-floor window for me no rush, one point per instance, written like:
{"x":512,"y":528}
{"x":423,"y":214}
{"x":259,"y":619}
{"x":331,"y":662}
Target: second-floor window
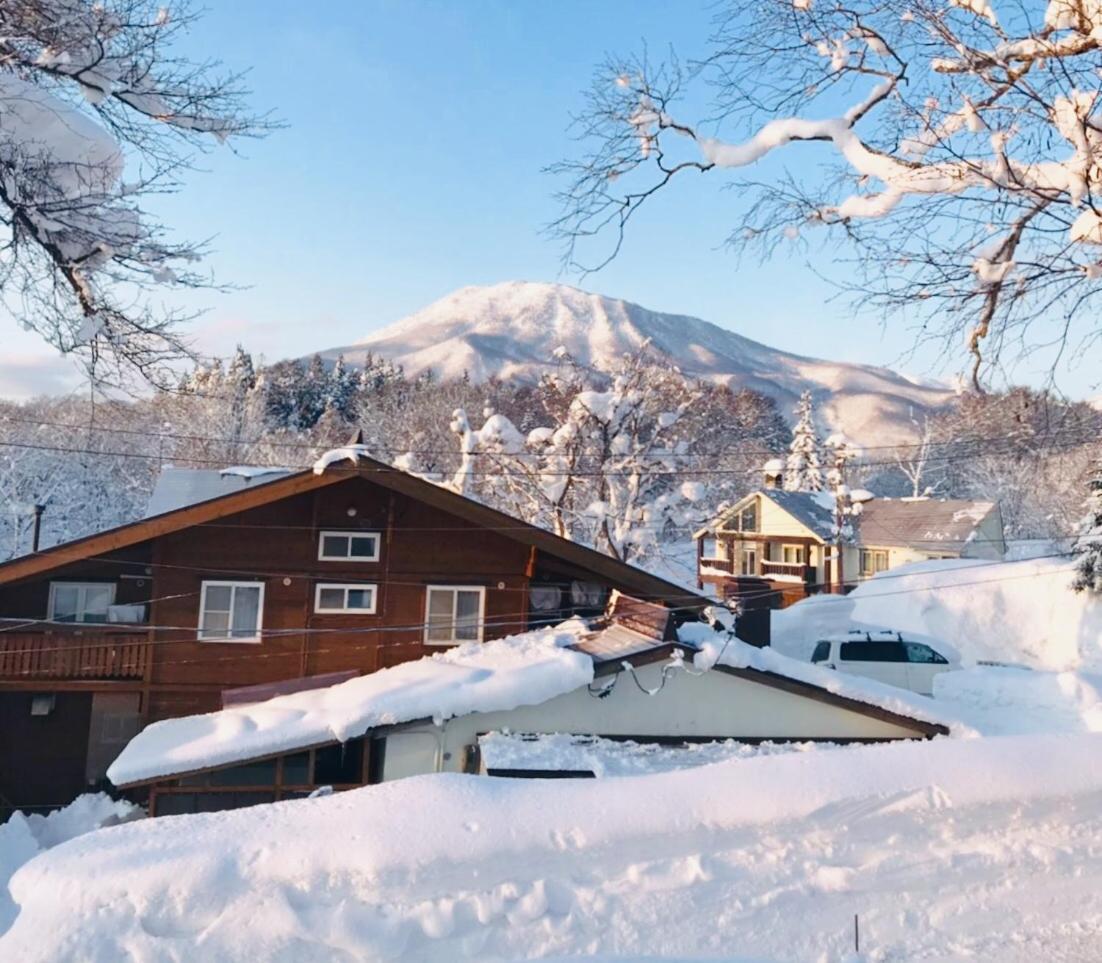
{"x":748,"y":518}
{"x":81,"y":601}
{"x":348,"y":547}
{"x":454,"y":614}
{"x":231,"y":611}
{"x":351,"y":597}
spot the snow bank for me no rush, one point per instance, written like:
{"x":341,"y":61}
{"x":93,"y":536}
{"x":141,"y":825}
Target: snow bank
{"x":1004,"y":700}
{"x":24,"y":837}
{"x":450,"y":867}
{"x":493,"y":676}
{"x":1022,"y":611}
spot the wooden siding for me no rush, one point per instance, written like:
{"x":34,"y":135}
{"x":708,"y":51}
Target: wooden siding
{"x":85,"y":654}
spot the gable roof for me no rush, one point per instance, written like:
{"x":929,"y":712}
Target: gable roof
{"x":934,"y":524}
{"x":262,"y":492}
{"x":527,"y":669}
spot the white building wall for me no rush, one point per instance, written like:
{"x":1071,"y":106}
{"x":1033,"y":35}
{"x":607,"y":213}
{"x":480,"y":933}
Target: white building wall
{"x":712,"y":705}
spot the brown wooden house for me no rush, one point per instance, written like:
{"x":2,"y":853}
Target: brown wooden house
{"x":286,"y":577}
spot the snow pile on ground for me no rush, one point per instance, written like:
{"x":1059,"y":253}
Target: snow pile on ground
{"x":716,"y":647}
{"x":766,"y":858}
{"x":1004,"y":700}
{"x":503,"y":674}
{"x":1022,"y":611}
{"x":564,"y":752}
{"x":24,"y":837}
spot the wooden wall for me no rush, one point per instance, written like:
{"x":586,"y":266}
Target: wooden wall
{"x":278,"y":544}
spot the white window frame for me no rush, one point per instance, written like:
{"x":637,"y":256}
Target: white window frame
{"x":322,"y":557}
{"x":82,"y":588}
{"x":480,"y":589}
{"x":798,"y":550}
{"x":233,"y":584}
{"x":871,"y":553}
{"x":346,"y":586}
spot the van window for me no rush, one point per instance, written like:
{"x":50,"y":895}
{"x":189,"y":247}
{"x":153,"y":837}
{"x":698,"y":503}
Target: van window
{"x":821,"y":653}
{"x":917,"y":652}
{"x":873,"y":652}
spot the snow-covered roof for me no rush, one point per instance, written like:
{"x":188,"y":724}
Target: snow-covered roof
{"x":813,"y":510}
{"x":936,"y":524}
{"x":519,"y":670}
{"x":179,"y":487}
{"x":715,"y":648}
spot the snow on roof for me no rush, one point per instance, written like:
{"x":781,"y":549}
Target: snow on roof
{"x":939,"y":524}
{"x":335,"y":456}
{"x":524,"y":669}
{"x":714,"y":647}
{"x":181,"y":487}
{"x":520,"y":670}
{"x":813,"y":510}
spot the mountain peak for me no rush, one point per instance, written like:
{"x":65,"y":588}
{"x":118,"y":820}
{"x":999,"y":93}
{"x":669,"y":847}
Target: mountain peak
{"x":510,"y":330}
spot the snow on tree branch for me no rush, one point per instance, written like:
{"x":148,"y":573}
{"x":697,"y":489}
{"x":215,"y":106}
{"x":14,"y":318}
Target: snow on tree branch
{"x":957,"y":148}
{"x":97,"y":112}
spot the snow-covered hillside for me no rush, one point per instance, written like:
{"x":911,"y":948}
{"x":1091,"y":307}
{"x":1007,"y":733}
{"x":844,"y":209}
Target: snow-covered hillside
{"x":510,"y":331}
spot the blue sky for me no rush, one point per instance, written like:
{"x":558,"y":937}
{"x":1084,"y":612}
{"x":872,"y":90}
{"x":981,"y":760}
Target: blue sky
{"x":411,"y":165}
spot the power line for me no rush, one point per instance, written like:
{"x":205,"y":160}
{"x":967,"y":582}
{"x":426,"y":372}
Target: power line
{"x":1086,"y":432}
{"x":499,"y":471}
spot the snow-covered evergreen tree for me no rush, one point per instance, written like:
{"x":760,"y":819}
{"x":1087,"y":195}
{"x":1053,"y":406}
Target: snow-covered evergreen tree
{"x":1088,"y":547}
{"x":802,"y":470}
{"x":343,"y":390}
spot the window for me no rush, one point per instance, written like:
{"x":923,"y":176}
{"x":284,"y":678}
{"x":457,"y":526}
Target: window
{"x":347,"y":597}
{"x":873,"y":652}
{"x":81,"y":601}
{"x":873,"y":561}
{"x":749,"y":562}
{"x":748,"y":518}
{"x":792,"y":554}
{"x":453,"y":614}
{"x":349,"y":547}
{"x":821,"y":653}
{"x":231,"y":611}
{"x":917,"y":652}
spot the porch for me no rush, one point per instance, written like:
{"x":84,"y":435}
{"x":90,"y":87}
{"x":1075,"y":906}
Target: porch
{"x":776,"y":558}
{"x":63,"y":653}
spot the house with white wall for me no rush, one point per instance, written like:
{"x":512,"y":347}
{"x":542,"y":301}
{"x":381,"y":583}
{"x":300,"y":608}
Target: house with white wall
{"x":787,"y":539}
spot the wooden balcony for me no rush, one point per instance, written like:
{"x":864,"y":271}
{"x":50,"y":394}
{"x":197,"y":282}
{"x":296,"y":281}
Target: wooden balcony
{"x":787,"y":569}
{"x":718,"y":564}
{"x":116,"y":653}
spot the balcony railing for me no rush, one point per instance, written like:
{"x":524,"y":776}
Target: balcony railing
{"x":804,"y":572}
{"x":85,"y":653}
{"x":718,"y":564}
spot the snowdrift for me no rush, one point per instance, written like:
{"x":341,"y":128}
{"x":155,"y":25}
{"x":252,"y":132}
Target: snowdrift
{"x":1021,"y":611}
{"x":701,"y":862}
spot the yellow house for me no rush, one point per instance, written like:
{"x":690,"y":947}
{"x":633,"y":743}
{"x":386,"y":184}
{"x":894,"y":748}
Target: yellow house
{"x":788,"y":540}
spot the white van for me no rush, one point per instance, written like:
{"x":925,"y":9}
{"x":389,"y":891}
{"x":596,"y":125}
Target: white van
{"x":887,"y":657}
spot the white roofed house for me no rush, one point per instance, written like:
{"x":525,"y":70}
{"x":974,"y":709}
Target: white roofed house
{"x":783,"y":543}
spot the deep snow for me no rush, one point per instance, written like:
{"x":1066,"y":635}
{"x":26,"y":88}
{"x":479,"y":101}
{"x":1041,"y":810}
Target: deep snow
{"x":1018,"y":611}
{"x":952,"y":849}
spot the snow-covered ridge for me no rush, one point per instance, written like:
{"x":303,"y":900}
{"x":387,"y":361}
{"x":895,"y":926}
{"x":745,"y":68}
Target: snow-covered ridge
{"x":511,"y":331}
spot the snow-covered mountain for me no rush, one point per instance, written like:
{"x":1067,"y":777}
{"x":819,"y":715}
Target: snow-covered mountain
{"x":510,"y":331}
